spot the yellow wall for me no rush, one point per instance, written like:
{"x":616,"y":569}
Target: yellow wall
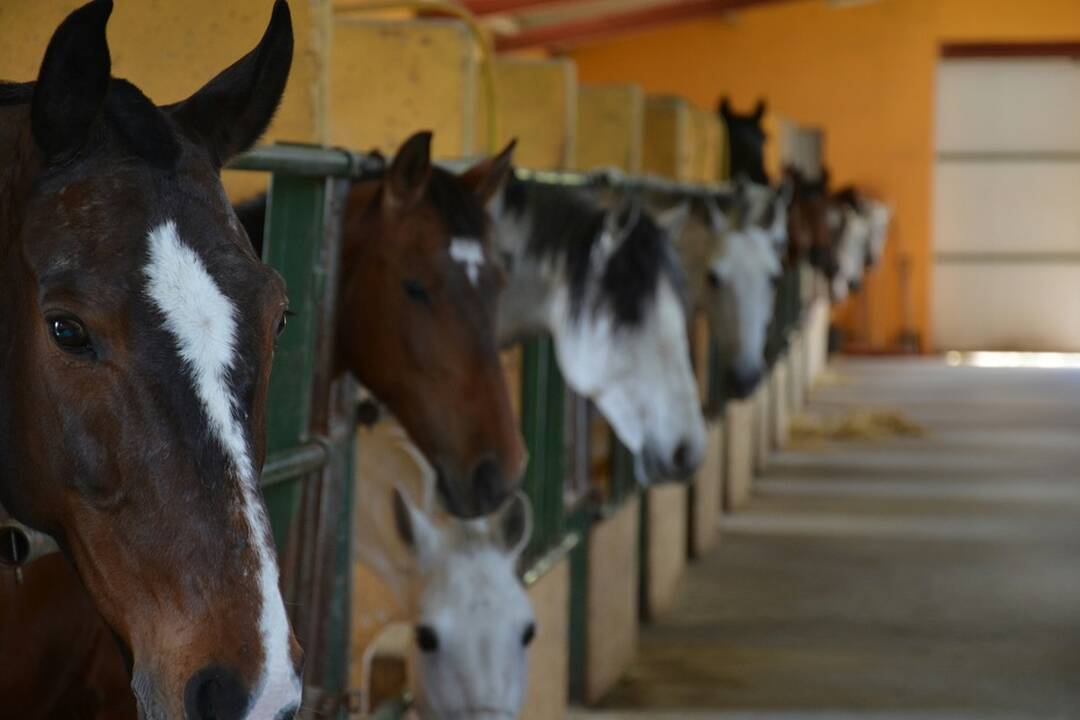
{"x":865,"y":73}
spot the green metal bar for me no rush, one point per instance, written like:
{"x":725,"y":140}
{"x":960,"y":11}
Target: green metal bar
{"x":579,"y":523}
{"x":288,"y":464}
{"x":313,"y":161}
{"x":533,"y":413}
{"x":294,"y":230}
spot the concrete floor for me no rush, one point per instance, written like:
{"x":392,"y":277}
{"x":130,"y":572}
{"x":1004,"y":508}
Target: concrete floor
{"x":921,"y":578}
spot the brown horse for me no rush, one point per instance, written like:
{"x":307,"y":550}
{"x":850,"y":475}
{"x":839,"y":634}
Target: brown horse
{"x":420,"y":284}
{"x":809,"y":238}
{"x":136,"y":339}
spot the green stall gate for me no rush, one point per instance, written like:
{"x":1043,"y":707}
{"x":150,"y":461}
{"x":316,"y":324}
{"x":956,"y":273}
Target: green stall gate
{"x":310,"y":427}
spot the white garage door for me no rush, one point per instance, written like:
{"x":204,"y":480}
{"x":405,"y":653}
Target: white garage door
{"x":1007,"y":205}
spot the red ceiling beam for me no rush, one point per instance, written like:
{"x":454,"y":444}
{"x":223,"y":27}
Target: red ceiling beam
{"x":497,"y":7}
{"x":563,"y":35}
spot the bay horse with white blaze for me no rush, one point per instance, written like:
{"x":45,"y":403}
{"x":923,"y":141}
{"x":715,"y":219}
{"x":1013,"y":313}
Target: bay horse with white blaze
{"x":416,"y":325}
{"x":136,"y":337}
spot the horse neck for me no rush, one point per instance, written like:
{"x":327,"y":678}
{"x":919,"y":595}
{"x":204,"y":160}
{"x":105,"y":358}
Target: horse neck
{"x":695,"y":245}
{"x":18,"y":165}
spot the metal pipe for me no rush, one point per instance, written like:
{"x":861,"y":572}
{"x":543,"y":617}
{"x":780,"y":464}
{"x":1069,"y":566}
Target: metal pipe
{"x":309,"y":160}
{"x":20,"y":545}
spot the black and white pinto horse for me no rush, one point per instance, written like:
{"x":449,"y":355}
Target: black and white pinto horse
{"x":607,"y":285}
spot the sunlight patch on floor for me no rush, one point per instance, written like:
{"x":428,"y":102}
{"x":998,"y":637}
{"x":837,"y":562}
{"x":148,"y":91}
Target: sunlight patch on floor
{"x":1038,"y":360}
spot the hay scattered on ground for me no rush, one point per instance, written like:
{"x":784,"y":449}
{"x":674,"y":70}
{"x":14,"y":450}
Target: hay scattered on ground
{"x":831,"y":378}
{"x":811,"y":430}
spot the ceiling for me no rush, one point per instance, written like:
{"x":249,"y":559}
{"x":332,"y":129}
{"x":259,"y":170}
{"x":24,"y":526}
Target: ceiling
{"x":562,"y":24}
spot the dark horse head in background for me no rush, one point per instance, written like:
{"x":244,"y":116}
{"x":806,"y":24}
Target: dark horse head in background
{"x":810,"y":238}
{"x":136,"y":337}
{"x":420,"y":285}
{"x":746,"y":142}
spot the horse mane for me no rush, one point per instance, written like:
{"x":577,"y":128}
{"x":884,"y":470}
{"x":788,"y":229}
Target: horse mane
{"x":849,"y":196}
{"x":15,"y":93}
{"x":140,"y":126}
{"x":565,"y":225}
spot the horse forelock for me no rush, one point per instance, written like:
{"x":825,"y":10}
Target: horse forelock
{"x":460,"y":209}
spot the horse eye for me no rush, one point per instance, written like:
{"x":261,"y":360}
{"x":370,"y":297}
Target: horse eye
{"x":416,"y":291}
{"x":426,"y":639}
{"x":528,"y":635}
{"x":714,"y":280}
{"x":282,"y":323}
{"x":69,"y":334}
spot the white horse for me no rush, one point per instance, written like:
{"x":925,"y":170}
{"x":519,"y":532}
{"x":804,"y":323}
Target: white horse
{"x":733,"y":262}
{"x":851,"y":233}
{"x":880,"y":216}
{"x":859,"y":225}
{"x":608,"y":288}
{"x":458,"y":587}
{"x":474,"y":622}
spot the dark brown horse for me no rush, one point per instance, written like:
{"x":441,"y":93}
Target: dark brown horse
{"x":136,"y":338}
{"x":420,"y":283}
{"x":809,"y":238}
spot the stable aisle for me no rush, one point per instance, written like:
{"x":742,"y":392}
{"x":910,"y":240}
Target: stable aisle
{"x":932,"y":577}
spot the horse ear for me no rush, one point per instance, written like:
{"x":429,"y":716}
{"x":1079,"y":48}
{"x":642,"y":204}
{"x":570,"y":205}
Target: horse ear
{"x":512,"y":526}
{"x":414,"y":528}
{"x":759,"y":109}
{"x":725,"y":106}
{"x":409,"y":171}
{"x":673,"y":220}
{"x":620,"y":221}
{"x":488,"y":176}
{"x":233,"y":110}
{"x":718,"y":220}
{"x":74,"y":77}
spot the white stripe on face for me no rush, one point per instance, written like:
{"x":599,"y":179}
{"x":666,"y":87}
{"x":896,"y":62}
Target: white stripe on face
{"x":202,"y":320}
{"x":470,"y":253}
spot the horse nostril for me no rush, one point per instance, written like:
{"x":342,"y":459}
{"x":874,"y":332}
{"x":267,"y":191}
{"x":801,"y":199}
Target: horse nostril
{"x":487,"y":495}
{"x":214,"y":693}
{"x":681,"y":459}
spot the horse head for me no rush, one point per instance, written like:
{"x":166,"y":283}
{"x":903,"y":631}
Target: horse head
{"x":746,"y":141}
{"x":741,"y":270}
{"x":420,"y":285}
{"x":608,"y":287}
{"x":474,"y":622}
{"x":137,"y":334}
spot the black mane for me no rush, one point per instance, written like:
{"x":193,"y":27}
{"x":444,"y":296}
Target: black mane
{"x":140,"y":126}
{"x":457,"y":205}
{"x":566,"y":225}
{"x":12,"y":93}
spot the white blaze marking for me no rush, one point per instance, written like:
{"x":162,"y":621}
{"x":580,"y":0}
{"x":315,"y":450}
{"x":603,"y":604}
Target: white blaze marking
{"x":203,"y":322}
{"x":470,"y":253}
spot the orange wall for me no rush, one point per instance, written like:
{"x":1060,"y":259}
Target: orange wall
{"x":864,"y":72}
